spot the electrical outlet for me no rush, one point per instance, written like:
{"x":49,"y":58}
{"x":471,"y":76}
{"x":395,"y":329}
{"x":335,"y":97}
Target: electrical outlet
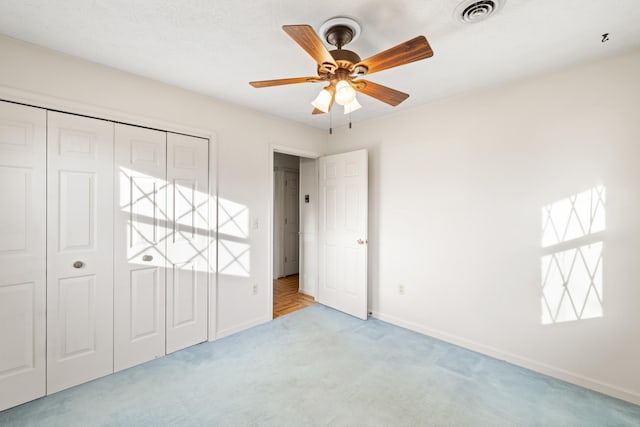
{"x":401,"y":289}
{"x":255,"y":289}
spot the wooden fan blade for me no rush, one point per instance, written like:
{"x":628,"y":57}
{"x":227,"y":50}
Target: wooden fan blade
{"x":382,"y":93}
{"x":280,"y":82}
{"x":412,"y":50}
{"x":307,"y":38}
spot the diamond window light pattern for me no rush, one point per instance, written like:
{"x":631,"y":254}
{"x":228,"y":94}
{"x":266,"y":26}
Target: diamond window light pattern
{"x":572,"y":287}
{"x":576,"y":216}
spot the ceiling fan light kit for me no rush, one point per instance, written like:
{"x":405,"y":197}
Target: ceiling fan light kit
{"x":344,"y":93}
{"x":323,"y":101}
{"x":343,"y":69}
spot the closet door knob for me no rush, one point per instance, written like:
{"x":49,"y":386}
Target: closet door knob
{"x":78,"y":264}
{"x":147,"y":257}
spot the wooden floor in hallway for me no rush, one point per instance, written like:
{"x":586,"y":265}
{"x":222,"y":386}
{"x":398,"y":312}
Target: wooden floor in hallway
{"x":286,"y":298}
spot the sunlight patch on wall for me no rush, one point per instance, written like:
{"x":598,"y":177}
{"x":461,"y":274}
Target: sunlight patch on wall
{"x":234,"y":258}
{"x":234,"y":250}
{"x":234,"y":219}
{"x":572,"y":285}
{"x":576,"y":216}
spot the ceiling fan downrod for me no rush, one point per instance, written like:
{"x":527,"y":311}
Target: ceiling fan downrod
{"x":339,"y":36}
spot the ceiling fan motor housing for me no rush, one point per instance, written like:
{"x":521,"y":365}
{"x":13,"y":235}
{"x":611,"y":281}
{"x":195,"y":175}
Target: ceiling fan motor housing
{"x":345,"y":57}
{"x":345,"y":61}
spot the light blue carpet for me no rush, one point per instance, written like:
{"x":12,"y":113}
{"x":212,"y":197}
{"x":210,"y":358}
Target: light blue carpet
{"x":321,"y":367}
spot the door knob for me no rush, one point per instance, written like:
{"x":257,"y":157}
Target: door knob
{"x":78,"y":264}
{"x":147,"y":257}
{"x":362,"y":242}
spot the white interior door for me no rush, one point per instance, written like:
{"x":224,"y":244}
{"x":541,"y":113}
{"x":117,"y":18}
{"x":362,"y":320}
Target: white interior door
{"x":291,"y":223}
{"x":187,"y":241}
{"x":22,"y":253}
{"x":308,"y":227}
{"x":342,"y":232}
{"x":278,"y":223}
{"x":79,"y":250}
{"x":141,"y":223}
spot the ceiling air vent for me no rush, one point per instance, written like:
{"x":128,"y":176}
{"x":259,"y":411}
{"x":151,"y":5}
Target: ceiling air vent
{"x":472,"y":11}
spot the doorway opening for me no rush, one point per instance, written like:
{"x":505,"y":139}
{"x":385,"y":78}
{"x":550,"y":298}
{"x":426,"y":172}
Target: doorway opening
{"x":287,"y":297}
{"x":331,"y":225}
{"x":294,"y":230}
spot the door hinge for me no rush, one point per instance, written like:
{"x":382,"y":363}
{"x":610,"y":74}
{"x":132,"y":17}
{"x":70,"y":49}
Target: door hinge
{"x":285,"y":259}
{"x":285,"y":220}
{"x":286,"y":182}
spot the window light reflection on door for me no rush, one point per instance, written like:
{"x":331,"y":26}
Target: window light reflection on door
{"x":143,"y":202}
{"x":572,"y":287}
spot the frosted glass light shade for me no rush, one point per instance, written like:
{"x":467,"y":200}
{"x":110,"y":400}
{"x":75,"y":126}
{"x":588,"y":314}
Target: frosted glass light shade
{"x":352,"y":106}
{"x":344,"y":93}
{"x":322,"y":101}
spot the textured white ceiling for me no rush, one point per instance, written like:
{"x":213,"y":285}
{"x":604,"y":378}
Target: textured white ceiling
{"x":217,"y":47}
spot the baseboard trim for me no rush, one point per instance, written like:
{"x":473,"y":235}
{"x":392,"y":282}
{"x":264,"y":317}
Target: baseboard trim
{"x":561,"y":374}
{"x":308,"y":292}
{"x":241,"y":327}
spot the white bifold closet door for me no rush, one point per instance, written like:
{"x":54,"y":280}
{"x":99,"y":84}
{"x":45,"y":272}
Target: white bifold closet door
{"x":22,"y":253}
{"x":141,"y":228}
{"x":79,"y":250}
{"x":187,"y":240}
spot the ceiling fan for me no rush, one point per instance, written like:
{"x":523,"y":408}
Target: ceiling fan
{"x":343,"y":69}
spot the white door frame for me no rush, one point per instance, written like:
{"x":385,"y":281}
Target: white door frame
{"x":39,"y":100}
{"x":273,"y":148}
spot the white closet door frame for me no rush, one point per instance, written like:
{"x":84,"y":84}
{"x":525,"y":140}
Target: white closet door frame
{"x":22,"y":253}
{"x":141,"y":228}
{"x":79,"y":250}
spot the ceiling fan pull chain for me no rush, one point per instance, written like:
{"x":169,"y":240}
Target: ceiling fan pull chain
{"x":330,"y":122}
{"x":349,"y":120}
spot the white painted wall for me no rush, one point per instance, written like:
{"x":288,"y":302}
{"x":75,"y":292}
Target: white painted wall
{"x":244,"y":139}
{"x":456,"y":192}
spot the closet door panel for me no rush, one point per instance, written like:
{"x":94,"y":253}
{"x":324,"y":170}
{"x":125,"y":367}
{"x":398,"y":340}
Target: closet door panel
{"x":22,"y":253}
{"x":79,"y":250}
{"x":140,"y":245}
{"x":187,"y":241}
